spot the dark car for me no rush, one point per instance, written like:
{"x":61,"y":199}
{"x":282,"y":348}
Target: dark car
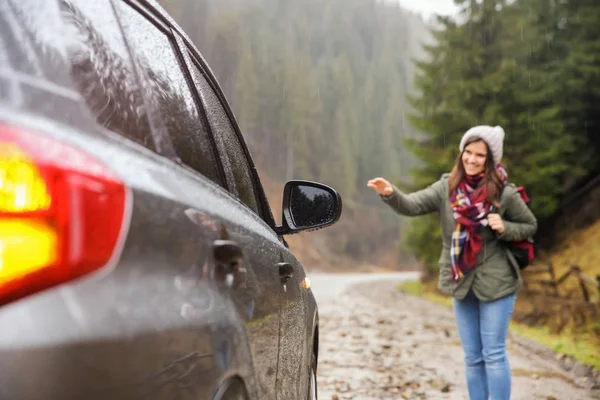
{"x":139,"y":258}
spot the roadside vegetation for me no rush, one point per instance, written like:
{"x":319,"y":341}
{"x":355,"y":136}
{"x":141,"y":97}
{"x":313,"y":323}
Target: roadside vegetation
{"x":561,"y":333}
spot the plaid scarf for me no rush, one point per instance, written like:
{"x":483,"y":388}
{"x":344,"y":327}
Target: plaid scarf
{"x":471,"y":208}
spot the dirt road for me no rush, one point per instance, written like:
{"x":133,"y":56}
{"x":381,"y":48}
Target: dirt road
{"x":378,"y":343}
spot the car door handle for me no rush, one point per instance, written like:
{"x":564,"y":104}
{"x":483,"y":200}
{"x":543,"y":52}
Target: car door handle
{"x":286,"y":271}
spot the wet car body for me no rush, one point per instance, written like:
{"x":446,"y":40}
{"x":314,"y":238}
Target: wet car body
{"x":201,"y":298}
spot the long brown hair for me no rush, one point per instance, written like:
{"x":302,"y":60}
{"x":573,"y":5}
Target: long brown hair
{"x":491,"y":181}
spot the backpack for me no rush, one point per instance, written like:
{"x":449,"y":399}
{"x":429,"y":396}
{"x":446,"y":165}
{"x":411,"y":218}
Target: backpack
{"x":523,"y":250}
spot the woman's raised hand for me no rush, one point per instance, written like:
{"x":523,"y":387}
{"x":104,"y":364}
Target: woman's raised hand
{"x":381,"y":186}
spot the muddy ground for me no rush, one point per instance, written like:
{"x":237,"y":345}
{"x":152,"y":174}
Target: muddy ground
{"x":379,"y":343}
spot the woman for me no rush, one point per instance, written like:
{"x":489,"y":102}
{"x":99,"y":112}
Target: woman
{"x":479,"y":212}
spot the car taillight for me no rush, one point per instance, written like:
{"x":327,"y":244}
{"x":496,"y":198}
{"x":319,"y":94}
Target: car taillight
{"x":61,"y":213}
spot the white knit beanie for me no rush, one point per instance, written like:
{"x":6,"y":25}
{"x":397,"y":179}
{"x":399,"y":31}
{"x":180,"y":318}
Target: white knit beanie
{"x":492,"y":135}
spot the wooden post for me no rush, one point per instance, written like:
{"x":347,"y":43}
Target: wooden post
{"x":553,"y":277}
{"x":577,"y":272}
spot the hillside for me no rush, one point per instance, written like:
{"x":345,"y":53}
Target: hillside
{"x":581,"y":248}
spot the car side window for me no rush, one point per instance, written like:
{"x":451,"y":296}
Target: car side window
{"x":237,"y":169}
{"x":169,"y":92}
{"x":101,"y":69}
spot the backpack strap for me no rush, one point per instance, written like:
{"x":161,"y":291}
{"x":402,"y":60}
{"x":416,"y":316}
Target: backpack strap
{"x":504,"y":187}
{"x":493,"y":209}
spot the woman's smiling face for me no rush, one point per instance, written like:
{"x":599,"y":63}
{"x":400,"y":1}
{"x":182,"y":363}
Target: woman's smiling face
{"x":473,"y":157}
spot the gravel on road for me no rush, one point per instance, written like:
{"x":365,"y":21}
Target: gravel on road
{"x":379,"y":343}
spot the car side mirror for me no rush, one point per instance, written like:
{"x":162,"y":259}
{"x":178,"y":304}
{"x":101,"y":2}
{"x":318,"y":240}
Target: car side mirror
{"x":308,"y":206}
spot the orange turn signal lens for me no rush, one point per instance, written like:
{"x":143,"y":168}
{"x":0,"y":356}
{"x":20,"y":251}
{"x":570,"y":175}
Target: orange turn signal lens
{"x":306,"y":283}
{"x":26,"y":245}
{"x":22,"y":188}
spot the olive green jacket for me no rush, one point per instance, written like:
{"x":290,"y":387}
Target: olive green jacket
{"x":496,"y":274}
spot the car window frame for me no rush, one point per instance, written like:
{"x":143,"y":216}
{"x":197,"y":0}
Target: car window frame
{"x":160,"y":132}
{"x":236,"y":169}
{"x":176,"y":42}
{"x":164,"y":21}
{"x":259,"y":194}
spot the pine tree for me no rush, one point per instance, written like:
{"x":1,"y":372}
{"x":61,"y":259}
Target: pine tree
{"x":580,"y":79}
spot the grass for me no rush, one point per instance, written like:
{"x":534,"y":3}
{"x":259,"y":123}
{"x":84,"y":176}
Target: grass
{"x":580,"y":347}
{"x":418,"y":289}
{"x":584,"y":348}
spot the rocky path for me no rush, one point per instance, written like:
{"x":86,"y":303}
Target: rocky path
{"x":378,"y":343}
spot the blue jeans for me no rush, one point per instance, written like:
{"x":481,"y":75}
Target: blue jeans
{"x":482,"y":328}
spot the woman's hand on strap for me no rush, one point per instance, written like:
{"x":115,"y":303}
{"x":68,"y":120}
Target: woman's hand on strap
{"x":496,"y":223}
{"x":381,"y":186}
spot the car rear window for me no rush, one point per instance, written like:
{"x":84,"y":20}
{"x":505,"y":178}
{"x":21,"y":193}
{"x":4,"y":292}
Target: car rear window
{"x":32,"y":41}
{"x":34,"y":70}
{"x":169,"y":93}
{"x":102,"y":70}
